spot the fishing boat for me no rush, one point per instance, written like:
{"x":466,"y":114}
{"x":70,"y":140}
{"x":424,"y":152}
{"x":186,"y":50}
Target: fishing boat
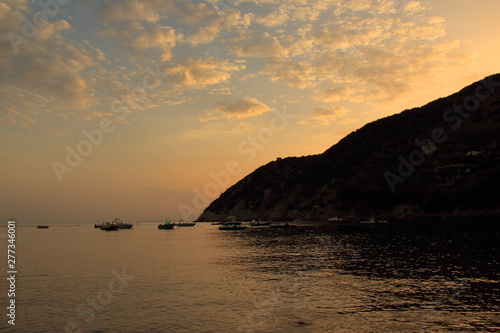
{"x":122,"y":225}
{"x":40,"y":226}
{"x":232,"y":226}
{"x":282,"y":225}
{"x":166,"y":225}
{"x":109,"y":226}
{"x":181,"y":223}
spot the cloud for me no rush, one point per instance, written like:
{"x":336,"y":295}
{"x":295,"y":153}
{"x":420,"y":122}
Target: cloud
{"x":325,"y":115}
{"x":414,"y":7}
{"x":44,"y":70}
{"x":281,"y":12}
{"x":199,"y":72}
{"x":273,"y":19}
{"x":357,"y":51}
{"x":298,"y":74}
{"x":130,"y":10}
{"x":333,"y":94}
{"x":16,"y":4}
{"x":258,"y":45}
{"x":243,"y":108}
{"x":206,"y":34}
{"x":155,"y":37}
{"x":215,"y":25}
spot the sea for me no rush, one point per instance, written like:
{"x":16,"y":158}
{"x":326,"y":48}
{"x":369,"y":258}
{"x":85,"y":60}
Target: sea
{"x":314,"y":278}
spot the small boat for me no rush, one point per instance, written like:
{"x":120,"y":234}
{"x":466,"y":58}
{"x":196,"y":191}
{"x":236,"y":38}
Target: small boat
{"x":282,"y":225}
{"x":109,"y":226}
{"x":259,"y":223}
{"x":181,"y":223}
{"x":372,"y":221}
{"x":166,"y":225}
{"x":122,"y":225}
{"x":216,"y":223}
{"x":232,"y":226}
{"x":40,"y":226}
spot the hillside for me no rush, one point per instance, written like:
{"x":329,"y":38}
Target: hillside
{"x":441,"y":158}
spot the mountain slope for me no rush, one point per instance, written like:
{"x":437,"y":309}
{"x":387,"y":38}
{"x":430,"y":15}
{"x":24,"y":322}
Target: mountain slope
{"x":439,"y":158}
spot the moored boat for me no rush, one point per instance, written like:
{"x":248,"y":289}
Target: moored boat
{"x":122,"y":225}
{"x":109,"y":226}
{"x":40,"y":226}
{"x":282,"y":225}
{"x":232,"y":226}
{"x":166,"y":225}
{"x":259,"y":223}
{"x":181,"y":223}
{"x":373,"y":221}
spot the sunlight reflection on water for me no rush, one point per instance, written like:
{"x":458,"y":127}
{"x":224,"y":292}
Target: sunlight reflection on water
{"x":313,"y":279}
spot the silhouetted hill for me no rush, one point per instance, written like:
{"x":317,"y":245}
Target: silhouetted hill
{"x":442,"y":158}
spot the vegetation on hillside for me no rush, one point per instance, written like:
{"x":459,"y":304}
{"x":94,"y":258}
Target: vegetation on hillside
{"x":441,"y":158}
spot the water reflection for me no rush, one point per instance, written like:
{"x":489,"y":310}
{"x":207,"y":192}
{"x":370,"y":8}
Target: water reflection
{"x":413,"y":277}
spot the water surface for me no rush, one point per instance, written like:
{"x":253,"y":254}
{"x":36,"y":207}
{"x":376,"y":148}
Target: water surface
{"x":311,"y":279}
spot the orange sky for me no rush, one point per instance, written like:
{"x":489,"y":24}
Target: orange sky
{"x":133,"y":108}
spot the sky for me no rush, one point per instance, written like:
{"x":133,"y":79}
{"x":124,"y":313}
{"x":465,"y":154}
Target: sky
{"x":149,"y":109}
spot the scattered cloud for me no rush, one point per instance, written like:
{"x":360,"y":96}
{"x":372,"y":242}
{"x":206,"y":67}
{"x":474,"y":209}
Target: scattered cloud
{"x":130,"y":10}
{"x":333,"y":94}
{"x":243,"y":108}
{"x":325,"y":115}
{"x":358,"y":51}
{"x":199,"y":72}
{"x":259,"y":45}
{"x":298,"y":74}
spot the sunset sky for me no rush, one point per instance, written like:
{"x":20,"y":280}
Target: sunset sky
{"x":131,"y":108}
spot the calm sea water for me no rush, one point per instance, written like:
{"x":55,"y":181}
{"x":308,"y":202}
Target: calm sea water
{"x":310,"y":279}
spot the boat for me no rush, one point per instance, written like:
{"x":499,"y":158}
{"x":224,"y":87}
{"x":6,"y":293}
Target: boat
{"x":109,"y":226}
{"x":282,"y":225}
{"x":40,"y":226}
{"x":336,"y":220}
{"x":216,"y":223}
{"x":373,"y":221}
{"x":181,"y":223}
{"x":232,"y":226}
{"x":122,"y":225}
{"x":259,"y":223}
{"x":98,"y":225}
{"x":166,"y":225}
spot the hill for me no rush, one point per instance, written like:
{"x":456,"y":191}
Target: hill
{"x":441,"y":158}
